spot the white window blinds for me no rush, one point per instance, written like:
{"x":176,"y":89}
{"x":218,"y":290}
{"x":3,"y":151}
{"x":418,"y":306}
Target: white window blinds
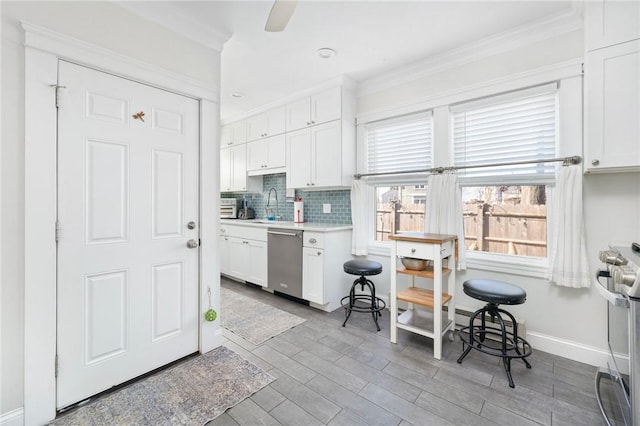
{"x":518,"y":126}
{"x":400,"y":144}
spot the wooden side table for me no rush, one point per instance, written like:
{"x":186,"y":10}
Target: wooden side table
{"x":429,"y":322}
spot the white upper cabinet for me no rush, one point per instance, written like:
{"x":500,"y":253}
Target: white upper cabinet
{"x":266,"y":155}
{"x":612,"y":124}
{"x":316,"y":109}
{"x":233,"y":170}
{"x":233,"y":133}
{"x":268,"y":123}
{"x":612,"y":86}
{"x":320,"y":156}
{"x":610,"y":22}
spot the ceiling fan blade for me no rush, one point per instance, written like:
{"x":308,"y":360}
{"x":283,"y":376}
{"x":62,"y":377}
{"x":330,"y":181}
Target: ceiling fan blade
{"x":280,"y":14}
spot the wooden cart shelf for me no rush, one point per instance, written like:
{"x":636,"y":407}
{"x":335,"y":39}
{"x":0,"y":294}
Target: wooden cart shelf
{"x":421,"y":296}
{"x":425,"y":273}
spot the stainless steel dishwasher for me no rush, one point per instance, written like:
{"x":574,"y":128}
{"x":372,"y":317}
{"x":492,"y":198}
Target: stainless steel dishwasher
{"x":285,"y":261}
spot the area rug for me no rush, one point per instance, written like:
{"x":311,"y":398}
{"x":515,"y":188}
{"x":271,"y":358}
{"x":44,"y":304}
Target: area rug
{"x":190,"y":393}
{"x":252,"y":320}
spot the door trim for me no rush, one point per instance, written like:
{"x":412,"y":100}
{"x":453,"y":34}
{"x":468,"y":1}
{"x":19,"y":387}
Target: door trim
{"x":43,"y":50}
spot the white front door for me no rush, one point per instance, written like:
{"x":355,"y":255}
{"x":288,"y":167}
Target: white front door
{"x":127,"y":194}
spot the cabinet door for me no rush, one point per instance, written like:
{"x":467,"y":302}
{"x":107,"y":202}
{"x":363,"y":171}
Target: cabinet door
{"x":257,"y":126}
{"x":256,"y":155}
{"x":276,"y":121}
{"x":239,"y":167}
{"x":225,"y":169}
{"x":276,"y":151}
{"x":326,"y":166}
{"x":299,"y":114}
{"x":224,"y":254}
{"x":610,"y":22}
{"x":238,"y":132}
{"x":256,"y":262}
{"x":326,"y":106}
{"x":298,"y":159}
{"x":226,"y":135}
{"x":613,"y":108}
{"x":313,"y":275}
{"x":238,"y":258}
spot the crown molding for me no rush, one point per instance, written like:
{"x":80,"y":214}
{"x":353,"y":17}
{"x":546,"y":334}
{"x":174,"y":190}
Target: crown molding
{"x":503,"y":42}
{"x":174,"y":19}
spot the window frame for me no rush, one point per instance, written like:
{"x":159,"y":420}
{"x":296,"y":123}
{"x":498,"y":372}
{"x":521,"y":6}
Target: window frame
{"x":568,"y":77}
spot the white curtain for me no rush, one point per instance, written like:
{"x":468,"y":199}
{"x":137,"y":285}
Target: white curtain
{"x":360,"y":207}
{"x":568,"y":265}
{"x":443,"y":212}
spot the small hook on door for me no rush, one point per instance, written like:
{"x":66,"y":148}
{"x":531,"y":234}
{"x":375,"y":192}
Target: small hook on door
{"x":139,"y":115}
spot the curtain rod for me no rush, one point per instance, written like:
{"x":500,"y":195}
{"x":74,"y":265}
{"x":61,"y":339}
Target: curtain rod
{"x":575,"y":159}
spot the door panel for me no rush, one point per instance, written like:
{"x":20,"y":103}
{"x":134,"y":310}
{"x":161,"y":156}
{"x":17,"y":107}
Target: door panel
{"x":127,"y":186}
{"x":107,"y":192}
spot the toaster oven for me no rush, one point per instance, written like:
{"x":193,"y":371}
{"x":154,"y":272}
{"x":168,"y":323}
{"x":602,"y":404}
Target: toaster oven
{"x":228,"y":208}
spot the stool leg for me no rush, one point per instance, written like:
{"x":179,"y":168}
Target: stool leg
{"x":374,"y":313}
{"x":515,"y":336}
{"x":506,"y":359}
{"x":352,"y":301}
{"x":471,"y":335}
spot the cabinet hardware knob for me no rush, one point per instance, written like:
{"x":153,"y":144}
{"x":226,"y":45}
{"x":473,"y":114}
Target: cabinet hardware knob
{"x":313,"y":240}
{"x":413,"y":250}
{"x":595,"y":162}
{"x":319,"y":253}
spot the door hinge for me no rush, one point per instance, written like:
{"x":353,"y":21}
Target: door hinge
{"x":57,"y":231}
{"x":582,"y":68}
{"x":57,"y":87}
{"x":56,"y":366}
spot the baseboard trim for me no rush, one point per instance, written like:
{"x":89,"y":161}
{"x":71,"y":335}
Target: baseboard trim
{"x":568,"y":349}
{"x":12,"y":418}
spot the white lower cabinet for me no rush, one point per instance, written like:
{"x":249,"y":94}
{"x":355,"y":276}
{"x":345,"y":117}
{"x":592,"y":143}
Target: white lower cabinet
{"x":313,"y":275}
{"x":247,"y":254}
{"x":224,"y":254}
{"x":324,"y":282}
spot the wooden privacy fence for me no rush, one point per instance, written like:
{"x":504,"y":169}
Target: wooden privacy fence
{"x":498,"y":228}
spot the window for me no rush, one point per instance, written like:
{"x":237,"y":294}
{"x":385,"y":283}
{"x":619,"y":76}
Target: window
{"x":399,"y":208}
{"x":505,"y":207}
{"x":399,"y":144}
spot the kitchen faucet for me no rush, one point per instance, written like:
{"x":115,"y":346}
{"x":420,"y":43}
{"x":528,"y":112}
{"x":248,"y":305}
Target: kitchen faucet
{"x":268,"y":209}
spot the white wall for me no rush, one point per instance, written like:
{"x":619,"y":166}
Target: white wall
{"x":100,"y":23}
{"x":557,"y":318}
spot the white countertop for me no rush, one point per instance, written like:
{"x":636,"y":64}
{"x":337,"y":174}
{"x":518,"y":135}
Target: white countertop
{"x":306,"y":226}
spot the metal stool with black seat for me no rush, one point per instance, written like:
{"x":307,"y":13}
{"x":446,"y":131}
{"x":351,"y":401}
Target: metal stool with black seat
{"x":372,"y":303}
{"x":496,"y":341}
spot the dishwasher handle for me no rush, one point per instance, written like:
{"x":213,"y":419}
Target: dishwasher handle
{"x":286,"y":234}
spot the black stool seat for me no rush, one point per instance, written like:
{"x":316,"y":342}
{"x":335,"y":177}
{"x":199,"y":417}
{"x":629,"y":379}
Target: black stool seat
{"x":372,"y":304}
{"x":495,"y":340}
{"x":362,"y":267}
{"x":497,"y":292}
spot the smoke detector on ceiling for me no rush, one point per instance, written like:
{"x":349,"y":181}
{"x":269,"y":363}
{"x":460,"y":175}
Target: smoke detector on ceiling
{"x":326,"y":53}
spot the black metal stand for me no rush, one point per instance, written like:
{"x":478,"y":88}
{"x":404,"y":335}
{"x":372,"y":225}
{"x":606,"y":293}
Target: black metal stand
{"x":373,"y":304}
{"x":509,"y":345}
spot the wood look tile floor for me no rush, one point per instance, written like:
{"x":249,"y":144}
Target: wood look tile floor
{"x":330,"y":375}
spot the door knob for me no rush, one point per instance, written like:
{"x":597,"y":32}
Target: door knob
{"x":192,"y":244}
